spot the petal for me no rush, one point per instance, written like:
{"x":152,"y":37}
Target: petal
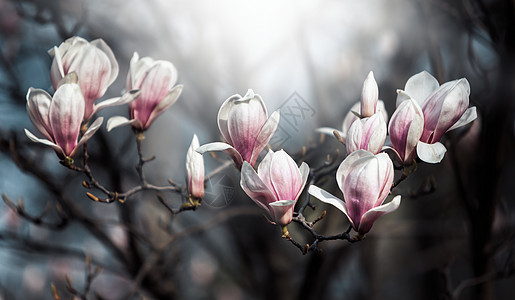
{"x":347,"y":164}
{"x":57,"y":149}
{"x":386,"y":174}
{"x":264,"y":169}
{"x":217,"y":146}
{"x":100,"y":44}
{"x":350,"y":118}
{"x":354,"y":136}
{"x":56,"y":70}
{"x":94,"y":127}
{"x":468,"y":116}
{"x":405,"y":128}
{"x":326,"y":197}
{"x":328,"y":131}
{"x":381,"y":108}
{"x":431,"y":153}
{"x":369,"y":96}
{"x":66,"y":113}
{"x":165,"y":103}
{"x":374,"y":133}
{"x":454,"y":106}
{"x":368,"y":218}
{"x":401,"y":97}
{"x":285,"y":176}
{"x":264,"y":136}
{"x":223,"y":116}
{"x":420,"y":86}
{"x":38,"y":109}
{"x":255,"y":188}
{"x":118,"y":121}
{"x":130,"y":82}
{"x":304,"y":174}
{"x":282,"y":211}
{"x":124,"y":99}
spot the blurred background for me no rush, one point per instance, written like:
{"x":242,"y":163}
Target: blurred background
{"x":453,"y":236}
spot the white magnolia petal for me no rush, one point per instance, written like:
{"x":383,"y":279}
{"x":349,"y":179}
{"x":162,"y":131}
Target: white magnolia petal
{"x":327,"y":197}
{"x":304,"y":173}
{"x":94,"y":127}
{"x":45,"y":142}
{"x":431,"y":153}
{"x":167,"y":101}
{"x":328,"y":131}
{"x":401,"y":97}
{"x":118,"y":121}
{"x":468,"y":116}
{"x":124,"y":99}
{"x":223,"y":116}
{"x":101,"y":44}
{"x":283,"y":203}
{"x":382,"y":108}
{"x":420,"y":86}
{"x":346,"y":165}
{"x":218,"y":146}
{"x":255,"y":188}
{"x":58,"y":60}
{"x":265,"y":134}
{"x":368,"y":218}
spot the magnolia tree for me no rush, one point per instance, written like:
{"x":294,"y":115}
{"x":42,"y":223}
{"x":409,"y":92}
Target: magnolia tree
{"x":381,"y":151}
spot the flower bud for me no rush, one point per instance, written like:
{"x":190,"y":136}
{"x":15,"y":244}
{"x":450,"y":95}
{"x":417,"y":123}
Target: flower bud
{"x":195,"y":170}
{"x":369,"y":96}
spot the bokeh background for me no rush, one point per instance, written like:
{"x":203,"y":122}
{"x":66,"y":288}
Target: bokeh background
{"x":452,"y":238}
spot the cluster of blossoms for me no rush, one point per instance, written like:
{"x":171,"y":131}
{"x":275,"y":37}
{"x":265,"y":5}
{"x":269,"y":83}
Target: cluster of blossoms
{"x":82,"y":71}
{"x":425,"y":111}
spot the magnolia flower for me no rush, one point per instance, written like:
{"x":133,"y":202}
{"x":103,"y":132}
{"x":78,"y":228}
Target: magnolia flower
{"x":195,"y":170}
{"x":59,"y":118}
{"x":276,"y":186}
{"x":367,"y":134}
{"x":96,"y":68}
{"x":444,"y":107}
{"x":244,"y":124}
{"x":405,"y":130}
{"x":367,"y":107}
{"x":155,"y":79}
{"x":365,"y":180}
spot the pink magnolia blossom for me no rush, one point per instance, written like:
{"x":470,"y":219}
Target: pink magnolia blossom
{"x":276,"y":186}
{"x":195,"y":170}
{"x":405,"y":130}
{"x":59,"y":118}
{"x":365,"y":180}
{"x":244,"y":124}
{"x":368,"y":106}
{"x":367,"y":134}
{"x":96,"y":68}
{"x":155,"y":80}
{"x":444,"y":107}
